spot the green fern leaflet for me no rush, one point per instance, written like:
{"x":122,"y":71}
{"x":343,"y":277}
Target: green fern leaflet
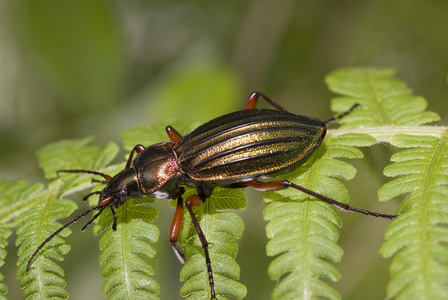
{"x":418,"y":238}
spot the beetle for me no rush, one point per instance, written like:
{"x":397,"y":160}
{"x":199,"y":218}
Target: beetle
{"x":237,"y":150}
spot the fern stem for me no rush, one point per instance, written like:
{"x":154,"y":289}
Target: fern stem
{"x":384,"y":133}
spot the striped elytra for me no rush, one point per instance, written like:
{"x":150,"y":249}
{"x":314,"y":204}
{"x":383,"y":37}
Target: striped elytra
{"x":248,"y":144}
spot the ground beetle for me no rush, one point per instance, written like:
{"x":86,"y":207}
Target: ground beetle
{"x":236,"y":150}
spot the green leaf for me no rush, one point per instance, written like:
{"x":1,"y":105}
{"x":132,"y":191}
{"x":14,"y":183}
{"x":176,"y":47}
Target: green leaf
{"x":187,"y":94}
{"x":45,"y":278}
{"x":17,"y":198}
{"x":132,"y":209}
{"x":220,"y":229}
{"x":303,"y":231}
{"x":125,"y":254}
{"x":383,"y":99}
{"x":76,"y":154}
{"x":4,"y":234}
{"x":418,"y":237}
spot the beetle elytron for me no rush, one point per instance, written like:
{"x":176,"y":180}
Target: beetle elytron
{"x":234,"y":151}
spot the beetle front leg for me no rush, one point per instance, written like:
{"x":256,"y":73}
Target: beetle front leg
{"x":176,"y":226}
{"x":114,"y":225}
{"x":192,"y":202}
{"x":138,"y":148}
{"x":251,"y":102}
{"x":283,"y":184}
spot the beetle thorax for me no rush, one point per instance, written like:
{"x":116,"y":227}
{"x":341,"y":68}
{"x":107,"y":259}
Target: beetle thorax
{"x":157,"y":171}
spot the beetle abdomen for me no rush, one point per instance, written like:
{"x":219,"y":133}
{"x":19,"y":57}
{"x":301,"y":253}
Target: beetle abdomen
{"x":248,"y":144}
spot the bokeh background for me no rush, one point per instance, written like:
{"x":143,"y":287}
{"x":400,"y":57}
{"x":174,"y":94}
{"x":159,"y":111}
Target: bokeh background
{"x":71,"y":69}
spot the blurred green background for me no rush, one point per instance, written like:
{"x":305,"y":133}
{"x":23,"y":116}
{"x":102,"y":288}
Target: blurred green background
{"x":77,"y":68}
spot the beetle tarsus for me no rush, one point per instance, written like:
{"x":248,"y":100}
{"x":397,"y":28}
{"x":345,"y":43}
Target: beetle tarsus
{"x":180,"y":256}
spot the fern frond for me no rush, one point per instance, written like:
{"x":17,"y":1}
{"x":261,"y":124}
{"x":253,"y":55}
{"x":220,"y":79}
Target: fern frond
{"x":76,"y":154}
{"x":383,"y":99}
{"x":125,"y":252}
{"x":419,"y":237}
{"x":5,"y":232}
{"x":304,"y":230}
{"x":221,"y":229}
{"x":16,"y":198}
{"x":45,"y":278}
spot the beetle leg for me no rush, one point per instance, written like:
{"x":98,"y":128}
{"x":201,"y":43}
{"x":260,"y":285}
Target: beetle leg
{"x":176,"y":226}
{"x":114,"y":225}
{"x":89,"y":195}
{"x":192,"y":202}
{"x":251,"y":102}
{"x":283,"y":184}
{"x":173,"y":134}
{"x":91,"y":220}
{"x":138,"y":148}
{"x":333,"y":120}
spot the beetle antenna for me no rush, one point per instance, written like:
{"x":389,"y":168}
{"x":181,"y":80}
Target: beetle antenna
{"x":99,"y":181}
{"x":331,"y":121}
{"x":105,"y":176}
{"x":89,"y":195}
{"x":60,"y":229}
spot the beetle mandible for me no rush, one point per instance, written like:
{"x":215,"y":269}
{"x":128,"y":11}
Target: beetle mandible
{"x":234,"y":151}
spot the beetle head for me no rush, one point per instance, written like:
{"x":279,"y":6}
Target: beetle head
{"x":120,"y":188}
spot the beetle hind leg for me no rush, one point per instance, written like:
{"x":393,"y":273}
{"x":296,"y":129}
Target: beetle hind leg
{"x":251,"y":102}
{"x":333,"y":120}
{"x":283,"y":184}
